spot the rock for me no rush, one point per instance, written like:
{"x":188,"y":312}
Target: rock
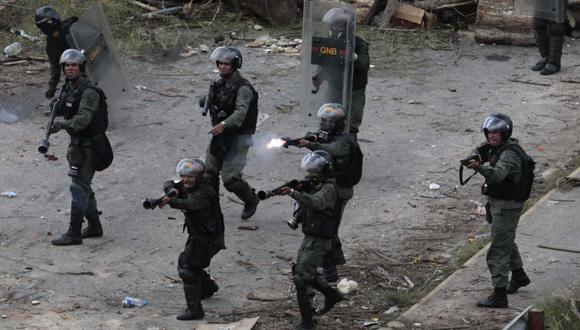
{"x":396,"y":325}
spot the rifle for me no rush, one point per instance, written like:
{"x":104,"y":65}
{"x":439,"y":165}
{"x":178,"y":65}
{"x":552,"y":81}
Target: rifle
{"x":152,"y":203}
{"x":293,"y":184}
{"x":320,"y":137}
{"x":206,"y":103}
{"x":45,"y":144}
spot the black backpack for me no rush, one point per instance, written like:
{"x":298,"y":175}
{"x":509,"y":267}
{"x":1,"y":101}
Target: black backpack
{"x":102,"y":149}
{"x":528,"y":167}
{"x":349,"y":173}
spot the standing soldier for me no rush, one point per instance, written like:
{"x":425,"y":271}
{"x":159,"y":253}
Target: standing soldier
{"x":205,"y":227}
{"x":84,"y":109}
{"x":317,"y":212}
{"x":508,"y":182}
{"x":341,"y":148}
{"x":233,"y":106}
{"x":550,"y":27}
{"x":56,"y":31}
{"x":338,"y":20}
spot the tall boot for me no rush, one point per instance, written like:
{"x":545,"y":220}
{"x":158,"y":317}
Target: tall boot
{"x":194,"y":310}
{"x":208,"y":285}
{"x":305,"y":306}
{"x":543,"y":44}
{"x":497,"y":300}
{"x":244,"y":192}
{"x":553,"y":64}
{"x":518,"y":280}
{"x":331,"y":295}
{"x":73,"y":235}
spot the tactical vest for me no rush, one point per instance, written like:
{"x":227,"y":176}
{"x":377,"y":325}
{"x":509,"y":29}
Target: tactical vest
{"x":70,"y":102}
{"x":347,"y":168}
{"x":319,"y":223}
{"x":56,"y":46}
{"x":224,"y":100}
{"x":508,"y":189}
{"x":204,"y":222}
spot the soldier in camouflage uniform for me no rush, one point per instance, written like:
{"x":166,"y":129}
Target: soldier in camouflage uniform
{"x":508,"y":181}
{"x":234,"y":111}
{"x":81,"y":105}
{"x":205,"y":226}
{"x":317,"y":212}
{"x":56,"y":31}
{"x":339,"y":145}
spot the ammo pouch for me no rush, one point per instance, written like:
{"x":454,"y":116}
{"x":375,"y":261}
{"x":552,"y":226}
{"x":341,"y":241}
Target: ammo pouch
{"x":488,"y":213}
{"x":217,"y":146}
{"x":102,"y":152}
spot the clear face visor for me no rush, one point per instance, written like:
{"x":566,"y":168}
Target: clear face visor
{"x":314,"y":165}
{"x":188,"y":167}
{"x":223,"y":55}
{"x":494,"y":125}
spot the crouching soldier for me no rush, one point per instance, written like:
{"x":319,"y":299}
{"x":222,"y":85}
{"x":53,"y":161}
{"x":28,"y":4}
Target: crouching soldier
{"x":318,"y":207}
{"x":205,"y":226}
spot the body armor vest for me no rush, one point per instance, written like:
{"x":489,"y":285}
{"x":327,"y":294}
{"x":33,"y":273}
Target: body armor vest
{"x":319,"y":223}
{"x":70,"y":102}
{"x":507,"y":189}
{"x":205,"y":222}
{"x":224,"y":100}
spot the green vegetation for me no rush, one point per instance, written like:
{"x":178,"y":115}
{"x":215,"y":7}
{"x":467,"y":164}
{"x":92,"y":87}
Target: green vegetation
{"x":560,"y":313}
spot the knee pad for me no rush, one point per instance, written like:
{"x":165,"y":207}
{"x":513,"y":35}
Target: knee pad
{"x":556,"y":29}
{"x":234,"y":184}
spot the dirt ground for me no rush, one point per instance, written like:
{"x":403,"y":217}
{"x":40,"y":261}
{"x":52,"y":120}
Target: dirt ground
{"x":422,"y":115}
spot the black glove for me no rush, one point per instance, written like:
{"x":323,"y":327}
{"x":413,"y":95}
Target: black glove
{"x":50,"y":92}
{"x":56,"y":126}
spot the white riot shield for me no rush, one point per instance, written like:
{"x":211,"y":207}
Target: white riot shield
{"x":327,"y":56}
{"x":91,"y":35}
{"x":553,"y":10}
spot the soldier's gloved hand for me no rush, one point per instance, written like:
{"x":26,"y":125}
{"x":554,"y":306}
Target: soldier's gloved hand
{"x":50,"y":92}
{"x":56,"y":126}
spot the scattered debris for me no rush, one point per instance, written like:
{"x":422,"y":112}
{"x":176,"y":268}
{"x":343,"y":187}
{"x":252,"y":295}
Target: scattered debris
{"x":244,"y":324}
{"x":391,"y":310}
{"x":24,"y":34}
{"x":411,"y":284}
{"x":50,"y":157}
{"x":133,"y":302}
{"x":434,"y":186}
{"x":558,"y":249}
{"x":346,"y":286}
{"x":248,"y":227}
{"x":266,"y":295}
{"x":13,"y":49}
{"x":369,"y":323}
{"x":35,"y":302}
{"x":8,"y":194}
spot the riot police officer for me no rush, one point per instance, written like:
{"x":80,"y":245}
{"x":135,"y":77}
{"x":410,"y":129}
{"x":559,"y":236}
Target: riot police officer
{"x":56,"y":31}
{"x":338,"y":18}
{"x":233,"y":106}
{"x":508,"y":173}
{"x":85,"y":120}
{"x":340,"y":146}
{"x":205,"y":227}
{"x":318,"y":207}
{"x":550,"y":30}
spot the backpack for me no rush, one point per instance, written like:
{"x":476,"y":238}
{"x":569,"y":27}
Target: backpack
{"x":349,"y":173}
{"x":102,"y":149}
{"x":528,"y":167}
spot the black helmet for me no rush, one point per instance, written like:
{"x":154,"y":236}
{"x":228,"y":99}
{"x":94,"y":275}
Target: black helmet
{"x":317,"y":164}
{"x":190,"y":167}
{"x":47,"y":19}
{"x":332,"y":117}
{"x":498,"y":122}
{"x":227,"y":55}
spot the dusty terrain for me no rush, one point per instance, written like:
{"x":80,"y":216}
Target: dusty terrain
{"x":423,"y":114}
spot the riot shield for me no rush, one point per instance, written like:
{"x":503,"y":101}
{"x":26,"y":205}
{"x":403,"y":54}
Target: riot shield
{"x":553,"y":10}
{"x":327,"y":56}
{"x":91,"y":35}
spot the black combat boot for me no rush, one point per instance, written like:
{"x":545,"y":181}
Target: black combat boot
{"x":305,"y":306}
{"x":244,"y":192}
{"x":518,"y":280}
{"x":553,"y":64}
{"x":194,"y":310}
{"x":331,"y":295}
{"x":94,"y":229}
{"x":543,"y":44}
{"x":497,"y":300}
{"x":208,"y":286}
{"x":73,"y":235}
